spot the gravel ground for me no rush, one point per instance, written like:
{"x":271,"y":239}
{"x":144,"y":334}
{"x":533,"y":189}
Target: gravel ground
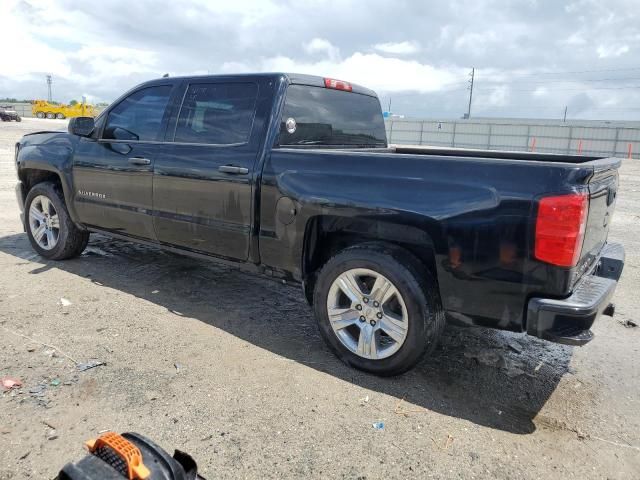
{"x":229,"y":367}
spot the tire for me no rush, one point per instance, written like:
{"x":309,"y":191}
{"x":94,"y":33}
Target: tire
{"x":40,"y":114}
{"x":60,"y":116}
{"x":18,"y":119}
{"x":50,"y":115}
{"x":70,"y":241}
{"x":417,"y":296}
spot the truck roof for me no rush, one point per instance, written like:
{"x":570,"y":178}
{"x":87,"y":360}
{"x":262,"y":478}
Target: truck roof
{"x":293,"y":78}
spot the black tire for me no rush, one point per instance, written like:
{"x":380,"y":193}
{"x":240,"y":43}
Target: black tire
{"x":71,"y":240}
{"x":40,"y":114}
{"x":419,"y":290}
{"x":50,"y":115}
{"x":18,"y":119}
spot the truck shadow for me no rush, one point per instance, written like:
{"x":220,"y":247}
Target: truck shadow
{"x":495,"y":379}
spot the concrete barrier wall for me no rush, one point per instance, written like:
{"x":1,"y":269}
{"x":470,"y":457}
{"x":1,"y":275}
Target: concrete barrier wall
{"x":620,"y":139}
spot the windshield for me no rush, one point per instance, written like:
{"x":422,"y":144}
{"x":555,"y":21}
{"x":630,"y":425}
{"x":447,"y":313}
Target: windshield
{"x":322,"y":116}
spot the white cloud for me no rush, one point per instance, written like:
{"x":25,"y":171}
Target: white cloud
{"x":606,"y":51}
{"x":400,"y":48}
{"x":320,"y":45}
{"x":371,"y":70}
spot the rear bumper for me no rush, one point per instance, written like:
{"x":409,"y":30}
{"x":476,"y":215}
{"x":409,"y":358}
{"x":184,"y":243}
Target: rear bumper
{"x":569,"y":320}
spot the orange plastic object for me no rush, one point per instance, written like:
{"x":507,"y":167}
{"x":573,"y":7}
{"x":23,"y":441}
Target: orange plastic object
{"x":126,"y":450}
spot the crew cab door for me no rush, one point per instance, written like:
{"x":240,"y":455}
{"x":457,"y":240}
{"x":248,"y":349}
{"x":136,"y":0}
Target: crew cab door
{"x":113,"y":172}
{"x":202,"y":184}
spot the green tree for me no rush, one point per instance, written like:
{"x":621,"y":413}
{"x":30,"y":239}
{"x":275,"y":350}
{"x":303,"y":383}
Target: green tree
{"x":73,"y":102}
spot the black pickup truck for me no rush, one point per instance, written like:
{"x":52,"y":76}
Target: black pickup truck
{"x":291,"y":175}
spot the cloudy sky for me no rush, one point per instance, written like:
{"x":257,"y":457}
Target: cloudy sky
{"x":532,"y":57}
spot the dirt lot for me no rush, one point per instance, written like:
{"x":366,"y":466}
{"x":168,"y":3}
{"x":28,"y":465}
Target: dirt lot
{"x":229,"y":367}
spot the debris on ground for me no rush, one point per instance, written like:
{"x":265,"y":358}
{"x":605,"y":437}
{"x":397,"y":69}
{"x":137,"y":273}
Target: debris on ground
{"x":378,"y":425}
{"x":178,"y":367}
{"x":492,"y":358}
{"x":538,"y":367}
{"x":447,"y":443}
{"x":94,"y":251}
{"x":90,"y":364}
{"x":18,"y":334}
{"x":55,"y":382}
{"x":402,"y":410}
{"x":9,"y":383}
{"x":628,"y":323}
{"x":64,"y":302}
{"x":364,"y":400}
{"x":38,"y":390}
{"x":515,"y":347}
{"x":156,"y":291}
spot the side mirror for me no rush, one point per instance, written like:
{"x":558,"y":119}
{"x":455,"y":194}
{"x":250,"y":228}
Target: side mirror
{"x":81,"y":126}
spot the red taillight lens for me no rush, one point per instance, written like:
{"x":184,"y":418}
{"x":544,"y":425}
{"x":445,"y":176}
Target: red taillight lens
{"x":337,"y":84}
{"x":560,"y":227}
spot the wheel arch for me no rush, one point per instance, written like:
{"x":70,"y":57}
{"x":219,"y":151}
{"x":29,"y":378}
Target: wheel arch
{"x":32,"y":173}
{"x":326,"y":235}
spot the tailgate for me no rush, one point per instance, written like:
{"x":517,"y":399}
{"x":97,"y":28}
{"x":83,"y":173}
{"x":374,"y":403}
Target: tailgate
{"x":603,"y":188}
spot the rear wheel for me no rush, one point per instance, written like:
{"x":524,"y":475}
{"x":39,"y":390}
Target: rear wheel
{"x":378,"y":308}
{"x":50,"y":115}
{"x":51,"y":231}
{"x":60,"y":116}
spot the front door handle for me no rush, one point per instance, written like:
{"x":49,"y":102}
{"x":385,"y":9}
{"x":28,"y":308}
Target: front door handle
{"x":233,"y":169}
{"x":139,"y":161}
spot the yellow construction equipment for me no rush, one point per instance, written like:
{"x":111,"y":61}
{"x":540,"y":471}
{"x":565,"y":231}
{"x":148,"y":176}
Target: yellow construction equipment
{"x":44,"y":109}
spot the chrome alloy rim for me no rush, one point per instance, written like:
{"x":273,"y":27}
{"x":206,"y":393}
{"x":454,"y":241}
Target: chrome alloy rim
{"x":44,"y":222}
{"x":367,"y":313}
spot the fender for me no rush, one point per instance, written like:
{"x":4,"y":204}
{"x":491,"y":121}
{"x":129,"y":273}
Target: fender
{"x":49,"y":152}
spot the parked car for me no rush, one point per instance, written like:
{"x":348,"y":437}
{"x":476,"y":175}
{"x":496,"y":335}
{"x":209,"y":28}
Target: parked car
{"x":291,"y":175}
{"x":8,"y":113}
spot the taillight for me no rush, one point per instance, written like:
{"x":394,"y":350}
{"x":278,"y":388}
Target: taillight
{"x":337,"y":84}
{"x":560,"y":227}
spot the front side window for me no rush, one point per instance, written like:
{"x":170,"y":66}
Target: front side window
{"x":139,"y":116}
{"x":217,"y":113}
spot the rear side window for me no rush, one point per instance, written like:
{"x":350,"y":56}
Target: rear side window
{"x":139,"y":116}
{"x":217,"y":113}
{"x":323,"y":116}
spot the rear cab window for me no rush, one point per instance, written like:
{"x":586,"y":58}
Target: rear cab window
{"x":317,"y":116}
{"x":217,"y":113}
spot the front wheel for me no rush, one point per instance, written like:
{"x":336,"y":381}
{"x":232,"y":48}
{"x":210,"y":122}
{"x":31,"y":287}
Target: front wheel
{"x":378,"y":308}
{"x":40,"y":114}
{"x":51,"y":231}
{"x":18,"y":119}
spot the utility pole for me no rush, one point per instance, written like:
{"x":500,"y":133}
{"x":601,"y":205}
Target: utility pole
{"x":472,"y":74}
{"x":389,"y":108}
{"x":564,"y":118}
{"x":49,"y":82}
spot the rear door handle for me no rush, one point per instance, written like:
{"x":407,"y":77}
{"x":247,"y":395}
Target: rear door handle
{"x":233,"y":169}
{"x":139,"y":161}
